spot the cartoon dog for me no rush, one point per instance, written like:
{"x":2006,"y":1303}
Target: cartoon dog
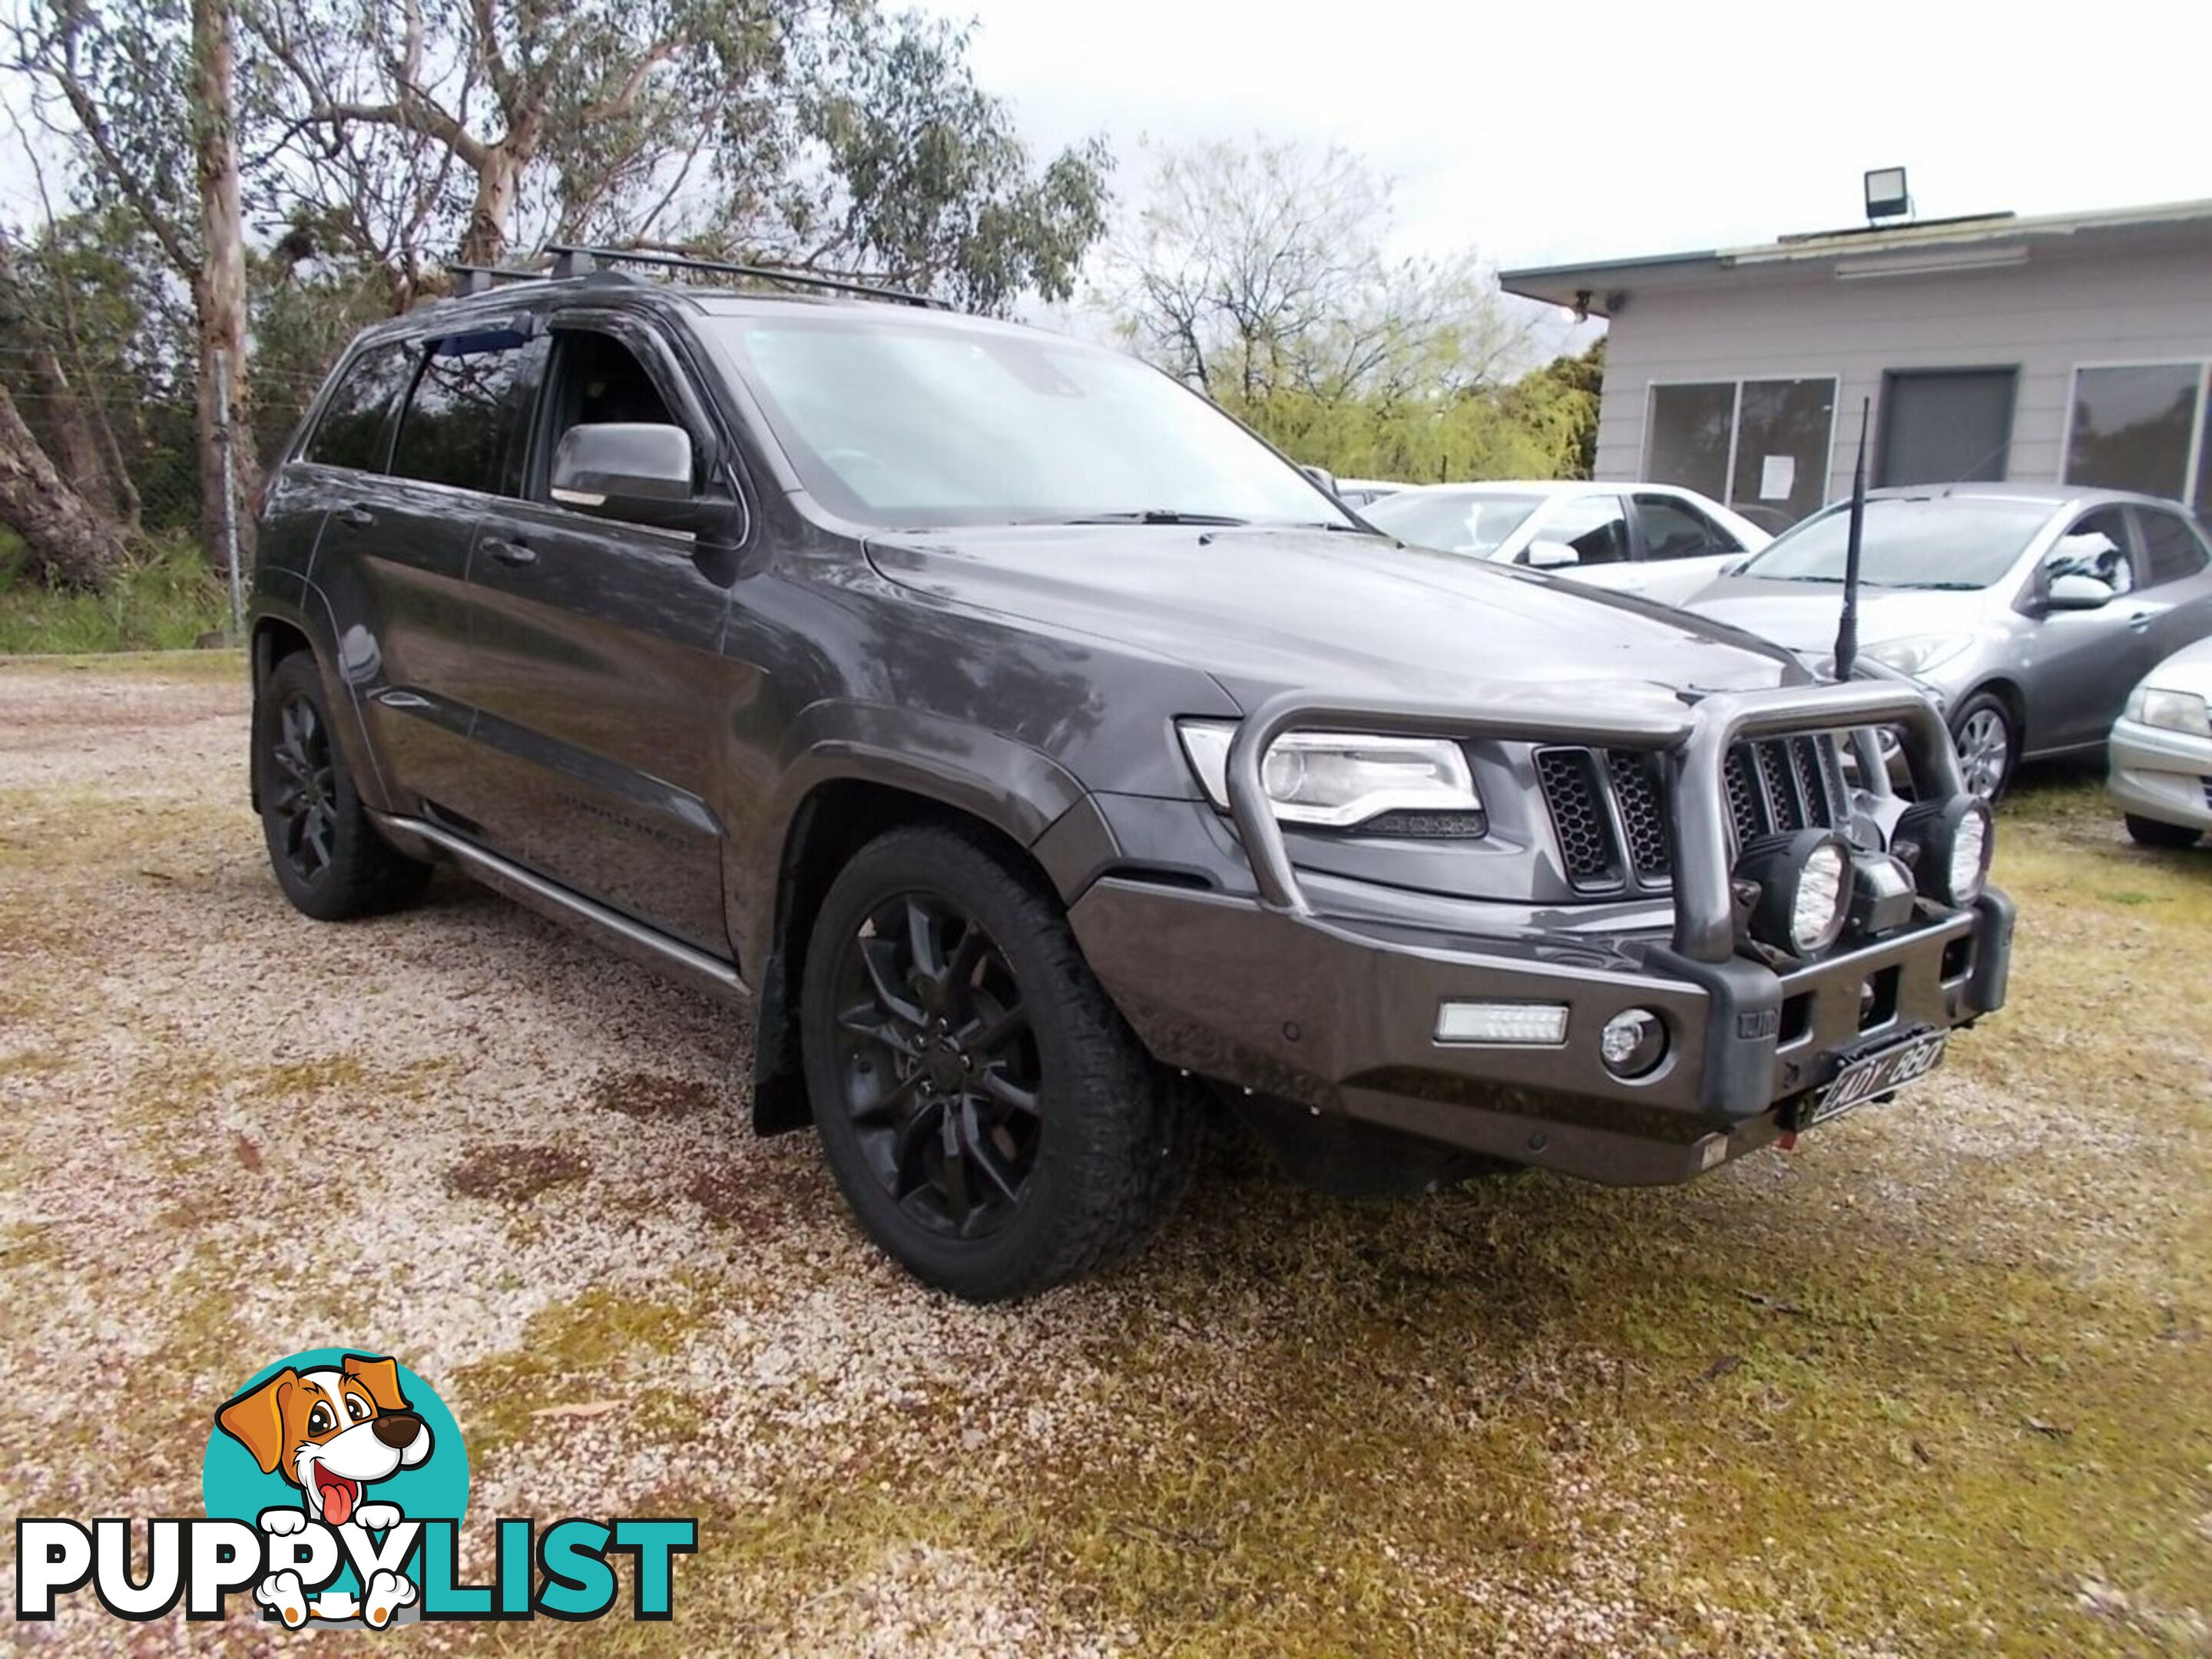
{"x":330,"y":1433}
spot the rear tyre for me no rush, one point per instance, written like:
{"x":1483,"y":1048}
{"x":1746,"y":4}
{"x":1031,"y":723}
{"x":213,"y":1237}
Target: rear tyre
{"x":2149,"y":832}
{"x":993,"y":1123}
{"x":328,"y":856}
{"x":1987,"y":735}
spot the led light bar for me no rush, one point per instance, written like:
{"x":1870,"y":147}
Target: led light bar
{"x":1504,"y":1024}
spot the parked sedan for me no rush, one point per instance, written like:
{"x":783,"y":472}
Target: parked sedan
{"x":1652,"y":539}
{"x":2030,"y":610}
{"x":1363,"y":492}
{"x":2162,"y":751}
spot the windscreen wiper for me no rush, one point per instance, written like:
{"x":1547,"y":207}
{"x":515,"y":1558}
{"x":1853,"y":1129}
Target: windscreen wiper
{"x":1154,"y":515}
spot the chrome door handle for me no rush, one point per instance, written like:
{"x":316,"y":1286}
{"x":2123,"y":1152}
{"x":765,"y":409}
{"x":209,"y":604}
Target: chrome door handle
{"x":514,"y":553}
{"x":2140,"y":622}
{"x":357,"y":515}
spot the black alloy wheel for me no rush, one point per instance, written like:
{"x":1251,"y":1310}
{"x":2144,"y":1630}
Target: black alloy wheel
{"x":303,"y":802}
{"x":939,"y":1068}
{"x":995,"y":1125}
{"x":323,"y":846}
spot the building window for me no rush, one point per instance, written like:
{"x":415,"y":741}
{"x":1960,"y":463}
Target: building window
{"x":1944,"y":425}
{"x":2140,"y":426}
{"x":1760,"y":447}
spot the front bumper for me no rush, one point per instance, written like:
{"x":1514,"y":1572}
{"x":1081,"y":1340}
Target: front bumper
{"x":1340,"y":1016}
{"x":2162,"y":774}
{"x":1337,"y":1011}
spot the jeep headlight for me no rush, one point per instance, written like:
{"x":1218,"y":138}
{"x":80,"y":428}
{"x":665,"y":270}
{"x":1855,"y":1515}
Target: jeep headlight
{"x":2170,"y":711}
{"x":1396,"y":786}
{"x":1916,"y":653}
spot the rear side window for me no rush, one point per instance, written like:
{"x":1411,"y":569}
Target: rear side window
{"x":1675,"y":530}
{"x":460,"y":420}
{"x":351,"y":431}
{"x":2171,"y":548}
{"x":1595,"y":527}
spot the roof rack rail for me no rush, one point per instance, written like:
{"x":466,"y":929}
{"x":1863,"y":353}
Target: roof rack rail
{"x":566,"y":262}
{"x":569,"y":261}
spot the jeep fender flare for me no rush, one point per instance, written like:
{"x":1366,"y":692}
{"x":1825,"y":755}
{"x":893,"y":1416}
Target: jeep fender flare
{"x":1009,"y":788}
{"x":287,"y":598}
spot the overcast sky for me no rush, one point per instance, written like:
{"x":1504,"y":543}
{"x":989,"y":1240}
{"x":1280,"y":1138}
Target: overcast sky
{"x":1546,"y":133}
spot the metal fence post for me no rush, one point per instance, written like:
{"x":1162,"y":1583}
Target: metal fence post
{"x":229,"y":496}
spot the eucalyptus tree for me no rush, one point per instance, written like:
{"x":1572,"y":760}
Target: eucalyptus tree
{"x":814,"y":133}
{"x":144,"y":93}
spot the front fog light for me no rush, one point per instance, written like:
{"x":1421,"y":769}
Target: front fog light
{"x":1633,"y":1042}
{"x":1948,"y":843}
{"x":1804,"y":883}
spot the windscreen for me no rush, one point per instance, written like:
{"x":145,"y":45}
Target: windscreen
{"x":923,"y":425}
{"x":1939,"y":542}
{"x":1467,"y":521}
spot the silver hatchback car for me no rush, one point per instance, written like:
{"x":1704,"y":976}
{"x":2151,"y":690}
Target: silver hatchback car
{"x":2031,"y":611}
{"x":2161,"y":758}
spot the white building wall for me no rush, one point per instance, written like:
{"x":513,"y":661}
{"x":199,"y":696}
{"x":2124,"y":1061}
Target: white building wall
{"x":2043,"y":319}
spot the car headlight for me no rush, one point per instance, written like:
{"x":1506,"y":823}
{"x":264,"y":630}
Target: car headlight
{"x":2173,"y":711}
{"x":1341,"y":780}
{"x":1916,"y":653}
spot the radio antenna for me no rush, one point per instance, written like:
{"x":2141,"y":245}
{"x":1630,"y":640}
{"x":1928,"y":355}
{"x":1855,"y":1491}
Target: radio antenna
{"x":1847,"y":625}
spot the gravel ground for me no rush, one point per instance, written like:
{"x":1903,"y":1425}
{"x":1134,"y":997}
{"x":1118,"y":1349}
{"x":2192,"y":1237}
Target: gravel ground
{"x":1938,"y":1383}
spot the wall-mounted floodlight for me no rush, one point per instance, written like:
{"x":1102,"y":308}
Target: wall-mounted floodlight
{"x":1885,"y":195}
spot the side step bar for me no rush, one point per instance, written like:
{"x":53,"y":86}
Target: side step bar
{"x":631,"y":937}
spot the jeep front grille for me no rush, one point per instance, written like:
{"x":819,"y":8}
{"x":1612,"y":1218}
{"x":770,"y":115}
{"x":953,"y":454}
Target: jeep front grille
{"x":1608,"y":808}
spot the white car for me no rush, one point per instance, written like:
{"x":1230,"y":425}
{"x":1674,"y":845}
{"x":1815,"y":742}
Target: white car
{"x":1363,"y":492}
{"x":1652,"y":539}
{"x":2161,"y":751}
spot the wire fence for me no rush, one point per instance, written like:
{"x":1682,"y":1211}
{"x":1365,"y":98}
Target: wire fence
{"x":127,"y":440}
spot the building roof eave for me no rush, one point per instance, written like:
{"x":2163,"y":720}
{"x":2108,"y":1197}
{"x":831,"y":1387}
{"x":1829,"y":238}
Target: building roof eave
{"x":1595,"y":287}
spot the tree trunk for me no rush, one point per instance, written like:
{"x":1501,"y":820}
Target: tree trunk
{"x":69,"y":543}
{"x":219,"y":295}
{"x":69,"y":435}
{"x":69,"y":428}
{"x":499,"y":183}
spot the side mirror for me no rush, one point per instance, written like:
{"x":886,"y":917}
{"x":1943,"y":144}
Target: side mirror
{"x":1322,"y":476}
{"x":2076,"y":592}
{"x":616,"y":467}
{"x":1551,"y":556}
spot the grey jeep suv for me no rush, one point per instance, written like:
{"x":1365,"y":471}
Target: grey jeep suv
{"x":1034,"y":755}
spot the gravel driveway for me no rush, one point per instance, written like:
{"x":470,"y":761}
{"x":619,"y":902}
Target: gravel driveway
{"x":1940,"y":1381}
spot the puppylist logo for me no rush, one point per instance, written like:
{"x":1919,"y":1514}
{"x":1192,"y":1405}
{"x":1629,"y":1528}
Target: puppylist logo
{"x":334,"y":1484}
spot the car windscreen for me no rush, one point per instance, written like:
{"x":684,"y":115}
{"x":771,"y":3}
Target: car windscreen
{"x":1939,"y":542}
{"x":925,"y":425}
{"x":1466,"y":521}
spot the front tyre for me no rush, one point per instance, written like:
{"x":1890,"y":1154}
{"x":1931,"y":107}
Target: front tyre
{"x":992,"y":1121}
{"x":2154,"y":832}
{"x":1988,"y":739}
{"x":328,"y":856}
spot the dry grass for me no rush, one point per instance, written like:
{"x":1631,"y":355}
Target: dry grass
{"x":1938,"y":1382}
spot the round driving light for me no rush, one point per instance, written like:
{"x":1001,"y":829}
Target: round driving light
{"x":1804,"y":889}
{"x":1970,"y":854}
{"x":1633,"y":1043}
{"x":1948,"y":843}
{"x":1815,"y":914}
